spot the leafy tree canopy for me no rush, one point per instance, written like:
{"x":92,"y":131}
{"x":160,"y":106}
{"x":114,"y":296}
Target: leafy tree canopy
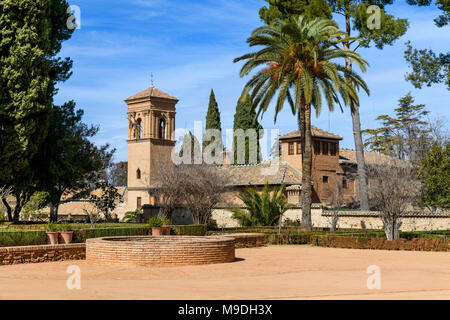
{"x":355,"y":10}
{"x":68,"y":161}
{"x":435,"y":174}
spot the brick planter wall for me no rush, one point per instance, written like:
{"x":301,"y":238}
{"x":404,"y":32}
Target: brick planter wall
{"x":247,"y":240}
{"x":159,"y":251}
{"x":45,"y":253}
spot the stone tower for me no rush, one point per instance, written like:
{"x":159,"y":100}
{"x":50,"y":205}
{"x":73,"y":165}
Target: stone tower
{"x":151,"y":126}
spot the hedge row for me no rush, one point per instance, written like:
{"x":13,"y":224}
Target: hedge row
{"x":22,"y":238}
{"x":13,"y":238}
{"x":80,"y":236}
{"x":190,"y":230}
{"x":417,"y":244}
{"x":74,"y":226}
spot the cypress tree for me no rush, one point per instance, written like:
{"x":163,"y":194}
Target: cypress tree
{"x":31,"y":34}
{"x":212,"y":119}
{"x":245,"y":118}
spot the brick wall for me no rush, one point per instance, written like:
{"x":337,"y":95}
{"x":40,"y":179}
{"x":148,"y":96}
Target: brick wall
{"x":46,"y":253}
{"x":159,"y":251}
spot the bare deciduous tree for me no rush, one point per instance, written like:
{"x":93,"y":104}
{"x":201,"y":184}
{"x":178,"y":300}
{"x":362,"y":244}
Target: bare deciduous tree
{"x":198,"y":188}
{"x":336,"y":202}
{"x":94,"y":215}
{"x":393,"y":189}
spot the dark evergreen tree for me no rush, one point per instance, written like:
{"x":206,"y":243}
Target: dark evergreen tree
{"x":212,"y":120}
{"x":31,"y":35}
{"x":435,"y":174}
{"x":245,"y":118}
{"x":69,"y":162}
{"x":404,"y":136}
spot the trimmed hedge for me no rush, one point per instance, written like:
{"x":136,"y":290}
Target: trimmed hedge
{"x":190,"y":230}
{"x":417,"y":244}
{"x":80,"y":236}
{"x":14,"y":238}
{"x":22,"y":238}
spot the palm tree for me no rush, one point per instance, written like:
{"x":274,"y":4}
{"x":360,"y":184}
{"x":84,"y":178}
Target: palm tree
{"x":298,"y":55}
{"x":262,"y":209}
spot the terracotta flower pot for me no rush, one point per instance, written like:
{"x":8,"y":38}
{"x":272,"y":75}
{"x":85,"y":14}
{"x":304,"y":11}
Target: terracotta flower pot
{"x":166,"y":230}
{"x":157,"y":231}
{"x":52,"y":237}
{"x":67,"y":236}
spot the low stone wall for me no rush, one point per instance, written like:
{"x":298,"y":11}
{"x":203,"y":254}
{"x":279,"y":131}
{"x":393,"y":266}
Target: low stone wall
{"x":159,"y":250}
{"x":351,"y":219}
{"x":247,"y":240}
{"x":46,"y":253}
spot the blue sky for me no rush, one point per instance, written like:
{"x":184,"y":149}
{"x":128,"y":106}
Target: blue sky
{"x":189,"y":46}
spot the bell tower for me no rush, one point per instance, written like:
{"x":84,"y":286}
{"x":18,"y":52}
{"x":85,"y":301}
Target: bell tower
{"x":151,"y":126}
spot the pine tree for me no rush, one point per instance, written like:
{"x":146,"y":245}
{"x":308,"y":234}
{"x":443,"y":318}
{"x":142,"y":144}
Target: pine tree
{"x":404,"y":136}
{"x":212,"y":120}
{"x":245,"y":118}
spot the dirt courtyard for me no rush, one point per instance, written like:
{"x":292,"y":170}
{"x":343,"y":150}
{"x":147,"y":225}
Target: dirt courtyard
{"x":275,"y":272}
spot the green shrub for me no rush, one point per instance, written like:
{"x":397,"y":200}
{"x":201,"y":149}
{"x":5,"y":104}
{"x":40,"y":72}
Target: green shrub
{"x":155,"y":222}
{"x":130,"y":216}
{"x":12,"y":238}
{"x":212,"y":225}
{"x":22,"y":238}
{"x":190,"y":230}
{"x":51,"y":227}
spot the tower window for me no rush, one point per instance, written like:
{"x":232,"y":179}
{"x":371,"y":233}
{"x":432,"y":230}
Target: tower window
{"x":325,"y":179}
{"x":333,"y":149}
{"x":291,"y":148}
{"x":325,"y":148}
{"x":139,"y":129}
{"x":344,"y":183}
{"x":316,"y":147}
{"x":162,"y":129}
{"x":299,"y":147}
{"x":138,"y":174}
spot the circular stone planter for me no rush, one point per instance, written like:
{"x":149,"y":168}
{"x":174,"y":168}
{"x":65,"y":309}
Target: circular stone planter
{"x":159,"y":250}
{"x":247,"y":240}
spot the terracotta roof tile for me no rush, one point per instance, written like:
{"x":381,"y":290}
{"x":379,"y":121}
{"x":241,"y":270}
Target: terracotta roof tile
{"x":255,"y":175}
{"x":151,"y":92}
{"x":316,"y":132}
{"x":349,"y":156}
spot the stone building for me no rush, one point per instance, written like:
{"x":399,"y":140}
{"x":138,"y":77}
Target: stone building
{"x":151,"y":116}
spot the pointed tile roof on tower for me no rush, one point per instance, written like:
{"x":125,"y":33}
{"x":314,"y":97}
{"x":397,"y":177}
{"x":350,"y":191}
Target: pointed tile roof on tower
{"x":151,"y":92}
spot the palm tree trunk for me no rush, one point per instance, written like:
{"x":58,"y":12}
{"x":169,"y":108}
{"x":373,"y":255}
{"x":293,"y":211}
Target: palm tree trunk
{"x":305,"y":129}
{"x":362,"y":174}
